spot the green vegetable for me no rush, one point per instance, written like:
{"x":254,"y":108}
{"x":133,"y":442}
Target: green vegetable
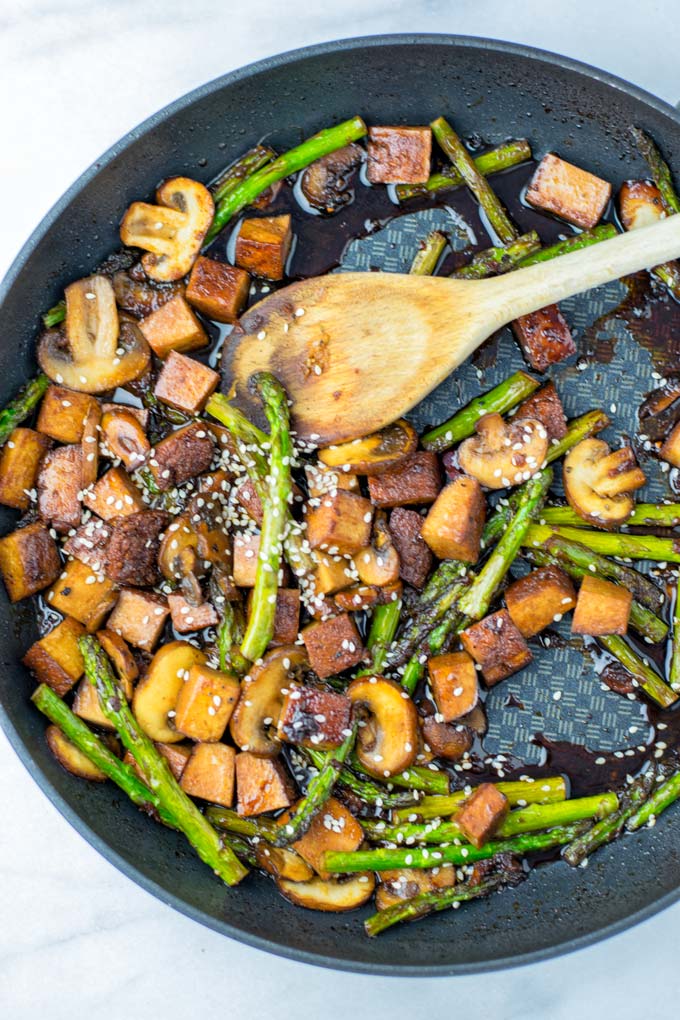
{"x":636,"y":547}
{"x":497,"y":260}
{"x":54,"y":315}
{"x":507,"y":155}
{"x":659,"y":170}
{"x":427,"y":257}
{"x":544,"y":790}
{"x":575,"y":242}
{"x":21,"y":406}
{"x":580,"y":848}
{"x":641,"y":670}
{"x":384,"y":623}
{"x":663,"y":515}
{"x":251,"y":161}
{"x":664,"y":795}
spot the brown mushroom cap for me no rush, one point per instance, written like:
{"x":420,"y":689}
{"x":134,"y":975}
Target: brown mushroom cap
{"x":253,"y":724}
{"x":379,"y":563}
{"x":599,"y":482}
{"x":326,"y":182}
{"x":330,"y":894}
{"x":373,"y":455}
{"x":503,"y":453}
{"x":388,"y":740}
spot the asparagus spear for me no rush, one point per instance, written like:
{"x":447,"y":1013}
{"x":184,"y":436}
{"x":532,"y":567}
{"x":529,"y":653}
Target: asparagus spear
{"x":288,"y":163}
{"x":609,"y":828}
{"x":230,"y":634}
{"x":641,"y":670}
{"x":636,"y":547}
{"x":575,"y":242}
{"x":384,"y":623}
{"x":427,"y":257}
{"x":663,"y":515}
{"x":21,"y":406}
{"x":545,"y":790}
{"x":174,"y":802}
{"x":497,"y":260}
{"x":664,"y":795}
{"x":674,"y":668}
{"x":507,"y":155}
{"x":54,"y":315}
{"x":416,"y":777}
{"x":367,"y":790}
{"x":500,"y":399}
{"x":433,"y":643}
{"x":252,"y":160}
{"x":230,"y":821}
{"x":426,"y":617}
{"x":659,"y":170}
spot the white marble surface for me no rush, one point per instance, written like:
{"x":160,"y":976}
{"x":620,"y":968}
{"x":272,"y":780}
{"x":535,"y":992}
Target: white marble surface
{"x":74,"y":934}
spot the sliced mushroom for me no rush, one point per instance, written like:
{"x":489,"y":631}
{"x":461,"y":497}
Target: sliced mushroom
{"x":98,"y":350}
{"x":326,"y":182}
{"x":172,"y":231}
{"x":124,"y":436}
{"x":599,"y":482}
{"x":640,"y":204}
{"x":504,"y":453}
{"x":283,"y":862}
{"x":179,"y":561}
{"x":253,"y":724}
{"x":89,"y":445}
{"x":138,"y":296}
{"x":374,"y":454}
{"x":70,"y":757}
{"x":379,"y":563}
{"x":387,"y":741}
{"x":360,"y":597}
{"x":156,"y":695}
{"x":332,"y":895}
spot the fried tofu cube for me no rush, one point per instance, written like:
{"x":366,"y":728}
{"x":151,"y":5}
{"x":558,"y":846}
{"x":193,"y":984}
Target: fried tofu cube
{"x":205,"y":703}
{"x":63,"y":413}
{"x":173,"y":327}
{"x":55,"y":659}
{"x":313,"y":717}
{"x":19,"y":466}
{"x":29,"y":561}
{"x":341,"y":524}
{"x":262,"y":784}
{"x":182,"y":455}
{"x":417,"y":480}
{"x":219,"y":291}
{"x":415,"y":557}
{"x":139,"y":617}
{"x":453,"y":527}
{"x":246,"y":552}
{"x":286,"y":616}
{"x":539,"y":599}
{"x":670,"y":451}
{"x":497,"y":645}
{"x":332,"y":828}
{"x":131,"y":555}
{"x":322,"y":479}
{"x":568,"y":191}
{"x":445,"y":740}
{"x":83,"y":594}
{"x":263,"y":244}
{"x":453,"y":682}
{"x":185,"y":383}
{"x":399,"y":155}
{"x":544,"y":336}
{"x":59,"y":487}
{"x":332,"y":573}
{"x":209,"y":774}
{"x":482,"y":813}
{"x":545,"y":406}
{"x":89,"y":542}
{"x":333,"y":645}
{"x":187,"y":618}
{"x":114,"y":495}
{"x":122,"y":658}
{"x":601,"y":608}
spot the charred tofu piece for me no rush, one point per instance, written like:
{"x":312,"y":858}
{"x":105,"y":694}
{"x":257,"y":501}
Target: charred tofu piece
{"x":539,"y":599}
{"x":19,"y":466}
{"x":83,"y":594}
{"x":185,"y":383}
{"x":569,"y":192}
{"x":60,"y":483}
{"x":333,"y":645}
{"x":246,"y":551}
{"x":217,"y":290}
{"x":55,"y":659}
{"x":415,"y":558}
{"x":131,"y":555}
{"x":482,"y":813}
{"x":139,"y":618}
{"x":173,"y":327}
{"x":286,"y":617}
{"x":114,"y":495}
{"x":418,"y":480}
{"x":453,"y":527}
{"x":446,"y":740}
{"x":182,"y":455}
{"x":88,"y":544}
{"x":63,"y":413}
{"x":205,"y":703}
{"x":123,"y":434}
{"x":262,"y":784}
{"x":453,"y":682}
{"x":601,"y":608}
{"x":263,"y":244}
{"x":122,"y":658}
{"x":332,"y":573}
{"x":497,"y":645}
{"x":313,"y":717}
{"x":670,"y":451}
{"x":187,"y":618}
{"x":544,"y":336}
{"x":399,"y":155}
{"x":29,"y":561}
{"x":341,"y":524}
{"x":332,"y":828}
{"x":322,"y":479}
{"x":209,"y":774}
{"x":545,"y":406}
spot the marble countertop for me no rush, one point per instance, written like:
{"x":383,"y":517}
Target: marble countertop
{"x":76,"y":935}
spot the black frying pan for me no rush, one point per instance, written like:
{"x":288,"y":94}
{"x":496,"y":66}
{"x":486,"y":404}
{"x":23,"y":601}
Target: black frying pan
{"x":496,"y":89}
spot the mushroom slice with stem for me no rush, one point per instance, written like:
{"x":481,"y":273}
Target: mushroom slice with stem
{"x":172,"y":231}
{"x":98,"y":350}
{"x":253,"y":724}
{"x":326,"y":182}
{"x":373,"y":455}
{"x":387,"y":740}
{"x":379,"y":563}
{"x":179,"y":561}
{"x":599,"y":482}
{"x":334,"y":895}
{"x":503,"y":453}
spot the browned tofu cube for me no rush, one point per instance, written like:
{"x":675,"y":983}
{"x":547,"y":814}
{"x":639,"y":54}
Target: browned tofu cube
{"x":482,"y":813}
{"x":670,"y":450}
{"x":415,"y":558}
{"x":83,"y":594}
{"x":322,"y":479}
{"x":286,"y":617}
{"x":182,"y":455}
{"x":55,"y":659}
{"x":263,"y":244}
{"x":124,"y":436}
{"x":19,"y":466}
{"x":497,"y":645}
{"x":332,"y":828}
{"x":246,"y":551}
{"x":313,"y":717}
{"x":29,"y":561}
{"x":114,"y":495}
{"x":453,"y":527}
{"x":173,"y":327}
{"x":63,"y":413}
{"x":399,"y":155}
{"x":445,"y":740}
{"x":539,"y":599}
{"x":568,"y":191}
{"x":131,"y":555}
{"x":122,"y":658}
{"x":341,"y":524}
{"x":205,"y":704}
{"x":332,"y":573}
{"x":453,"y":682}
{"x":88,"y":543}
{"x":333,"y":645}
{"x":544,"y":336}
{"x":176,"y":755}
{"x":186,"y":618}
{"x":417,"y":480}
{"x":86,"y":705}
{"x":545,"y":406}
{"x":209,"y":774}
{"x":601,"y":608}
{"x":217,"y":290}
{"x":185,"y":383}
{"x":60,"y":482}
{"x":262,"y":784}
{"x":139,"y":617}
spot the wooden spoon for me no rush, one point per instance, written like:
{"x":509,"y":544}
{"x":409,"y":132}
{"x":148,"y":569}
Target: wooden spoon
{"x":357,"y":350}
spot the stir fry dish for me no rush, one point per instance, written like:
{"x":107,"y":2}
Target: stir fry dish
{"x":283,"y":651}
